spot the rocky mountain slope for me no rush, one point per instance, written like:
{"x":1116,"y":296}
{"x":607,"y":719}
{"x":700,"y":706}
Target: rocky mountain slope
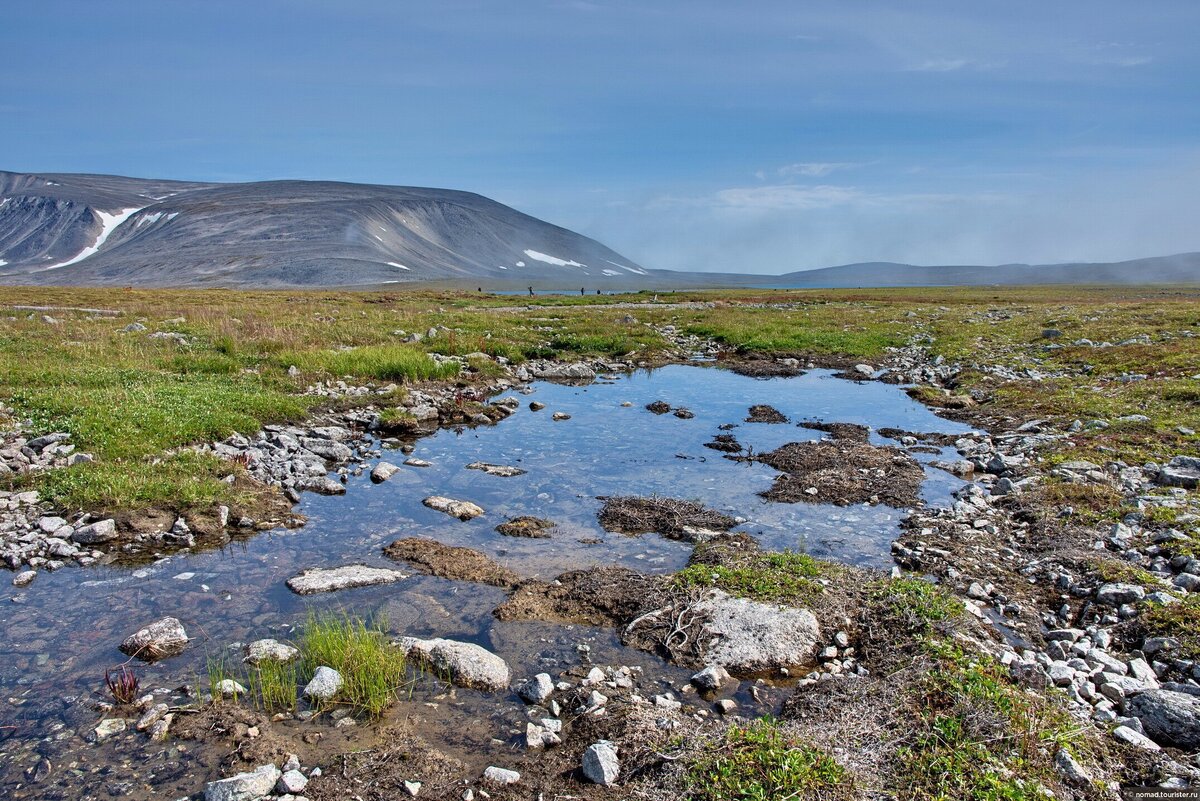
{"x":106,"y":230}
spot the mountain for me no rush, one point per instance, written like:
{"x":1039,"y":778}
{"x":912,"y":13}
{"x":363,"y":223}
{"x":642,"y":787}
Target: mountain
{"x":1183,"y":268}
{"x":108,"y":230}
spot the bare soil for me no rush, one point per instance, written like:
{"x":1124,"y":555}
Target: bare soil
{"x":452,"y":562}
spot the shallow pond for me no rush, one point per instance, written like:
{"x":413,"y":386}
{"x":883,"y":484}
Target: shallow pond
{"x":61,"y":632}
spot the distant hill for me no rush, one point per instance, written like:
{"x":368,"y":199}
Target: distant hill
{"x":1179,"y":269}
{"x":109,"y":230}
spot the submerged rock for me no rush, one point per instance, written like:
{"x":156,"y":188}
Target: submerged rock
{"x":269,"y":650}
{"x":504,"y":471}
{"x":321,"y":579}
{"x":463,"y":510}
{"x":467,"y":664}
{"x":159,"y":640}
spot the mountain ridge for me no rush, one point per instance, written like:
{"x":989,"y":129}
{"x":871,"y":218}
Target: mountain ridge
{"x":83,"y":229}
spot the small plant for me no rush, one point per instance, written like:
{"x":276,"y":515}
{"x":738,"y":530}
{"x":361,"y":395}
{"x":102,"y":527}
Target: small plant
{"x":763,"y":762}
{"x":123,"y":685}
{"x":914,"y":604}
{"x":219,"y":671}
{"x":372,"y":669}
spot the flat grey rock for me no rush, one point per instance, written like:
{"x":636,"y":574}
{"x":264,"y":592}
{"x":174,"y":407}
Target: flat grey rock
{"x":466,"y":664}
{"x":323,"y":579}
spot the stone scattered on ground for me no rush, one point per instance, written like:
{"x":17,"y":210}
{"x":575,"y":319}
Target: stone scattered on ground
{"x":244,"y":786}
{"x":600,"y":763}
{"x":383,"y":471}
{"x":746,"y":636}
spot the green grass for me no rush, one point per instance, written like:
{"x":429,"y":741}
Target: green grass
{"x":381,"y":362}
{"x":182,"y":481}
{"x":372,"y":669}
{"x":273,"y":686}
{"x":914,"y":605}
{"x":786,"y":577}
{"x":1180,"y":620}
{"x":979,"y":737}
{"x":763,"y":762}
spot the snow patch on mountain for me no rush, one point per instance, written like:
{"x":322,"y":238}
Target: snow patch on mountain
{"x":627,"y":267}
{"x":557,"y":262}
{"x":108,"y":224}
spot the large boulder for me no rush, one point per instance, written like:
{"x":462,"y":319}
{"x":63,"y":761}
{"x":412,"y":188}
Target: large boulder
{"x":1169,"y":717}
{"x":466,"y":664}
{"x":746,"y":636}
{"x":96,"y":533}
{"x":244,"y":786}
{"x":1181,"y":471}
{"x":321,"y":579}
{"x":160,"y":639}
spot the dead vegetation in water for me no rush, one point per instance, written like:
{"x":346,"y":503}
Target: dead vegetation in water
{"x":451,"y":562}
{"x":598,"y":596}
{"x":725,"y":443}
{"x":842,"y":472}
{"x":670,"y":517}
{"x":754,"y":366}
{"x":852,"y":432}
{"x":925,"y":438}
{"x":764,"y":413}
{"x":526,"y":526}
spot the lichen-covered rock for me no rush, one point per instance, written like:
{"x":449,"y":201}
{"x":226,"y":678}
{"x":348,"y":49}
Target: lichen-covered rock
{"x":746,"y":636}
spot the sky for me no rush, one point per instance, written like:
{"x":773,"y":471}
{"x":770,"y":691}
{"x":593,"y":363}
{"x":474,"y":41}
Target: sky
{"x":701,"y":135}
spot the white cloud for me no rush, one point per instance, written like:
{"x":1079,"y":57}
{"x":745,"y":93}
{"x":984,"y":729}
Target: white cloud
{"x":814,"y":169}
{"x":940,"y":65}
{"x":785,"y":196}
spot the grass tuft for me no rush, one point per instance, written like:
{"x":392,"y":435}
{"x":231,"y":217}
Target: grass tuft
{"x":786,"y":577}
{"x":372,"y":669}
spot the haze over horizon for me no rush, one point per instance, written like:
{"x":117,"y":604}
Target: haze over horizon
{"x":690,"y":136}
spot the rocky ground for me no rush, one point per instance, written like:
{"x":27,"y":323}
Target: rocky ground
{"x":1092,"y":616}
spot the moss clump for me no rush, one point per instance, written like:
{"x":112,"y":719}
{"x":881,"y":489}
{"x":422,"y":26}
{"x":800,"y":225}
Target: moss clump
{"x":914,"y":606}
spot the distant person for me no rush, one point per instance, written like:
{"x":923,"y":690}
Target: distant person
{"x":531,"y":292}
{"x":581,"y":292}
{"x":598,"y":292}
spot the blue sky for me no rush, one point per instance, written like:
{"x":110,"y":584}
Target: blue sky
{"x":747,"y":137}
